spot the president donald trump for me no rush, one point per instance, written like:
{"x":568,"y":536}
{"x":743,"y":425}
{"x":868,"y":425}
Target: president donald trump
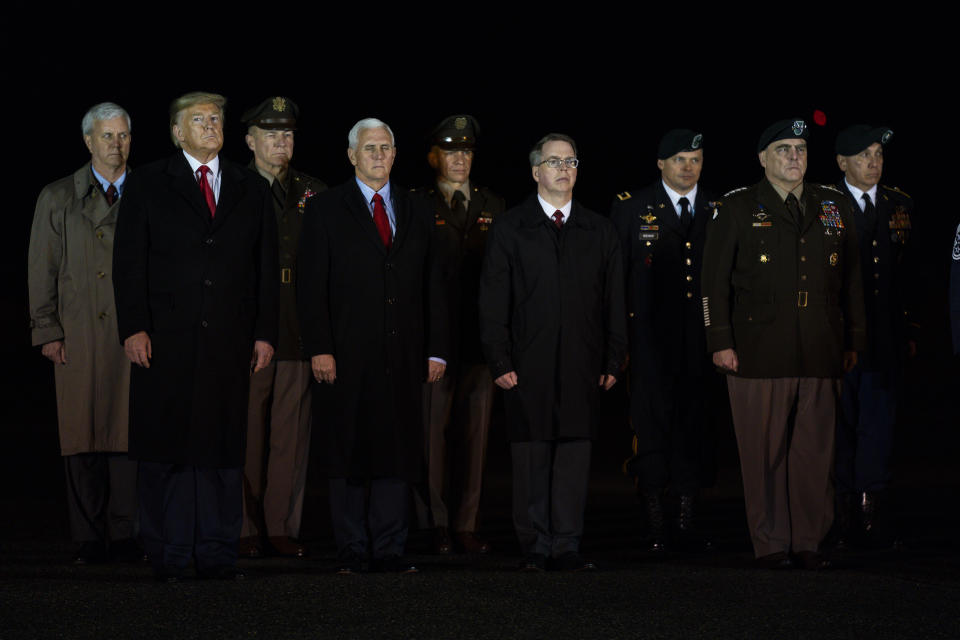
{"x":195,"y":263}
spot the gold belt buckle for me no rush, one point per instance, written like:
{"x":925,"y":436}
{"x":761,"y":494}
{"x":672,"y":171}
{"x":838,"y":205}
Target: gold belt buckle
{"x":801,"y":299}
{"x":286,"y":275}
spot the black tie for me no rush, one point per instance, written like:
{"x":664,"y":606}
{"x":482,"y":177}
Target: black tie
{"x":458,"y":212}
{"x":686,"y":218}
{"x":869,"y":214}
{"x":793,"y":206}
{"x":279,"y":195}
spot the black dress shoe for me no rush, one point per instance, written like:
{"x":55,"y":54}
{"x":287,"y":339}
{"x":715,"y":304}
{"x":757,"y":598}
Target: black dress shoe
{"x":91,"y":552}
{"x":249,"y":547}
{"x":126,"y":550}
{"x":442,"y":543}
{"x":571,"y":561}
{"x":223,"y":572}
{"x":393,"y":564}
{"x":470,"y":542}
{"x":814,"y":561}
{"x":286,"y":547}
{"x":777,"y":561}
{"x":349,"y":564}
{"x":169,"y":575}
{"x":534,"y":563}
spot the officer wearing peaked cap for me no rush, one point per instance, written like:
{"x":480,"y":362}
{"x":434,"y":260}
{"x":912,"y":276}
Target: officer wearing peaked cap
{"x":662,"y":230}
{"x":457,"y":408}
{"x":783,"y":310}
{"x":278,"y":422}
{"x":869,"y":401}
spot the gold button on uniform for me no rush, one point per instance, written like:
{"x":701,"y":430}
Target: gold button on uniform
{"x":648,"y":243}
{"x":803,"y":241}
{"x":803,"y":277}
{"x":689,"y":278}
{"x":689,"y":295}
{"x":689,"y":261}
{"x":876,"y":259}
{"x":803,"y":258}
{"x":874,"y":243}
{"x":99,"y":235}
{"x":100,"y":274}
{"x":688,"y":245}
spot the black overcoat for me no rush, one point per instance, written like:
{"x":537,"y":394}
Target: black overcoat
{"x":381,"y":314}
{"x":204,"y":290}
{"x":552,"y":309}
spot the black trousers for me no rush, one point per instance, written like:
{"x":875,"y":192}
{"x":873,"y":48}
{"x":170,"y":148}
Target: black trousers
{"x":550,"y":481}
{"x":385,"y":515}
{"x":188,"y":512}
{"x":101,"y":496}
{"x":668,"y":419}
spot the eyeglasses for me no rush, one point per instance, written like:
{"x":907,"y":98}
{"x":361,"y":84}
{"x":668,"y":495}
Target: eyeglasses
{"x":556,"y":163}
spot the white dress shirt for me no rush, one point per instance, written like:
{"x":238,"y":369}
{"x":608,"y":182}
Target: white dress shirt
{"x":213,"y":177}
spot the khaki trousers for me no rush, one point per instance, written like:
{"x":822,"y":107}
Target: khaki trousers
{"x":785,"y":434}
{"x":278,"y":445}
{"x":456,"y":423}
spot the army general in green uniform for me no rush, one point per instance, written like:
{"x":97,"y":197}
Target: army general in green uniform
{"x":278,"y":420}
{"x":783,"y":309}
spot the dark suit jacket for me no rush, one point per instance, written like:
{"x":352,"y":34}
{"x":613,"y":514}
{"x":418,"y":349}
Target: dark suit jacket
{"x":551,"y":309}
{"x":381,"y":314}
{"x":204,"y":290}
{"x":662,"y":264}
{"x":787,"y":298}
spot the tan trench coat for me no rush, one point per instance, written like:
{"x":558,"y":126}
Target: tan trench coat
{"x":71,"y":299}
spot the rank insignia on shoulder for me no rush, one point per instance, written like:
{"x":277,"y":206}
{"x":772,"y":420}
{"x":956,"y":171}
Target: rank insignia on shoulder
{"x":624,"y":196}
{"x":661,"y":206}
{"x":897,"y":190}
{"x":729,"y":193}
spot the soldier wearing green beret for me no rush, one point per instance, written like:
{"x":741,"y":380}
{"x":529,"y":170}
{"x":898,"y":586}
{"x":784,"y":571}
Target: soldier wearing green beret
{"x":279,"y":411}
{"x":783,"y":310}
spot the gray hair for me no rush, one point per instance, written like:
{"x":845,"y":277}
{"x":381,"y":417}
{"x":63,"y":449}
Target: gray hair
{"x":103,"y":111}
{"x":353,"y":137}
{"x":192,"y":99}
{"x":536,"y":154}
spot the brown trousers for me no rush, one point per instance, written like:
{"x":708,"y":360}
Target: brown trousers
{"x":785,"y":434}
{"x":456,"y":414}
{"x":278,"y":444}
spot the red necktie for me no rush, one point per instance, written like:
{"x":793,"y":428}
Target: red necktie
{"x":111,"y":194}
{"x":558,"y":218}
{"x":206,"y":190}
{"x":380,"y":219}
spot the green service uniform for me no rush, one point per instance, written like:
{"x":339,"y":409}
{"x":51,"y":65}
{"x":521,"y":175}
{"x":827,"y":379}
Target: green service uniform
{"x":787,"y":296}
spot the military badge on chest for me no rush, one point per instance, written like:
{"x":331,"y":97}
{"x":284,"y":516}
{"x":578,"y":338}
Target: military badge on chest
{"x":302,"y":202}
{"x":830,"y":218}
{"x":649,"y":231}
{"x":484,"y":222}
{"x":763,"y":220}
{"x":899,"y":225}
{"x":438,"y":221}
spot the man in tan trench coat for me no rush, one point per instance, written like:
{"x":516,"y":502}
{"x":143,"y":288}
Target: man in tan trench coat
{"x":73,"y":320}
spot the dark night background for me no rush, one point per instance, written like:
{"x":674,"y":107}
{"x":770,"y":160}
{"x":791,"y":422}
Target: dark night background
{"x":616,"y":97}
{"x":615,"y":80}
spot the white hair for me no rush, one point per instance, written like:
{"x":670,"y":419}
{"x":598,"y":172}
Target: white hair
{"x":367,"y":123}
{"x":103,"y":111}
